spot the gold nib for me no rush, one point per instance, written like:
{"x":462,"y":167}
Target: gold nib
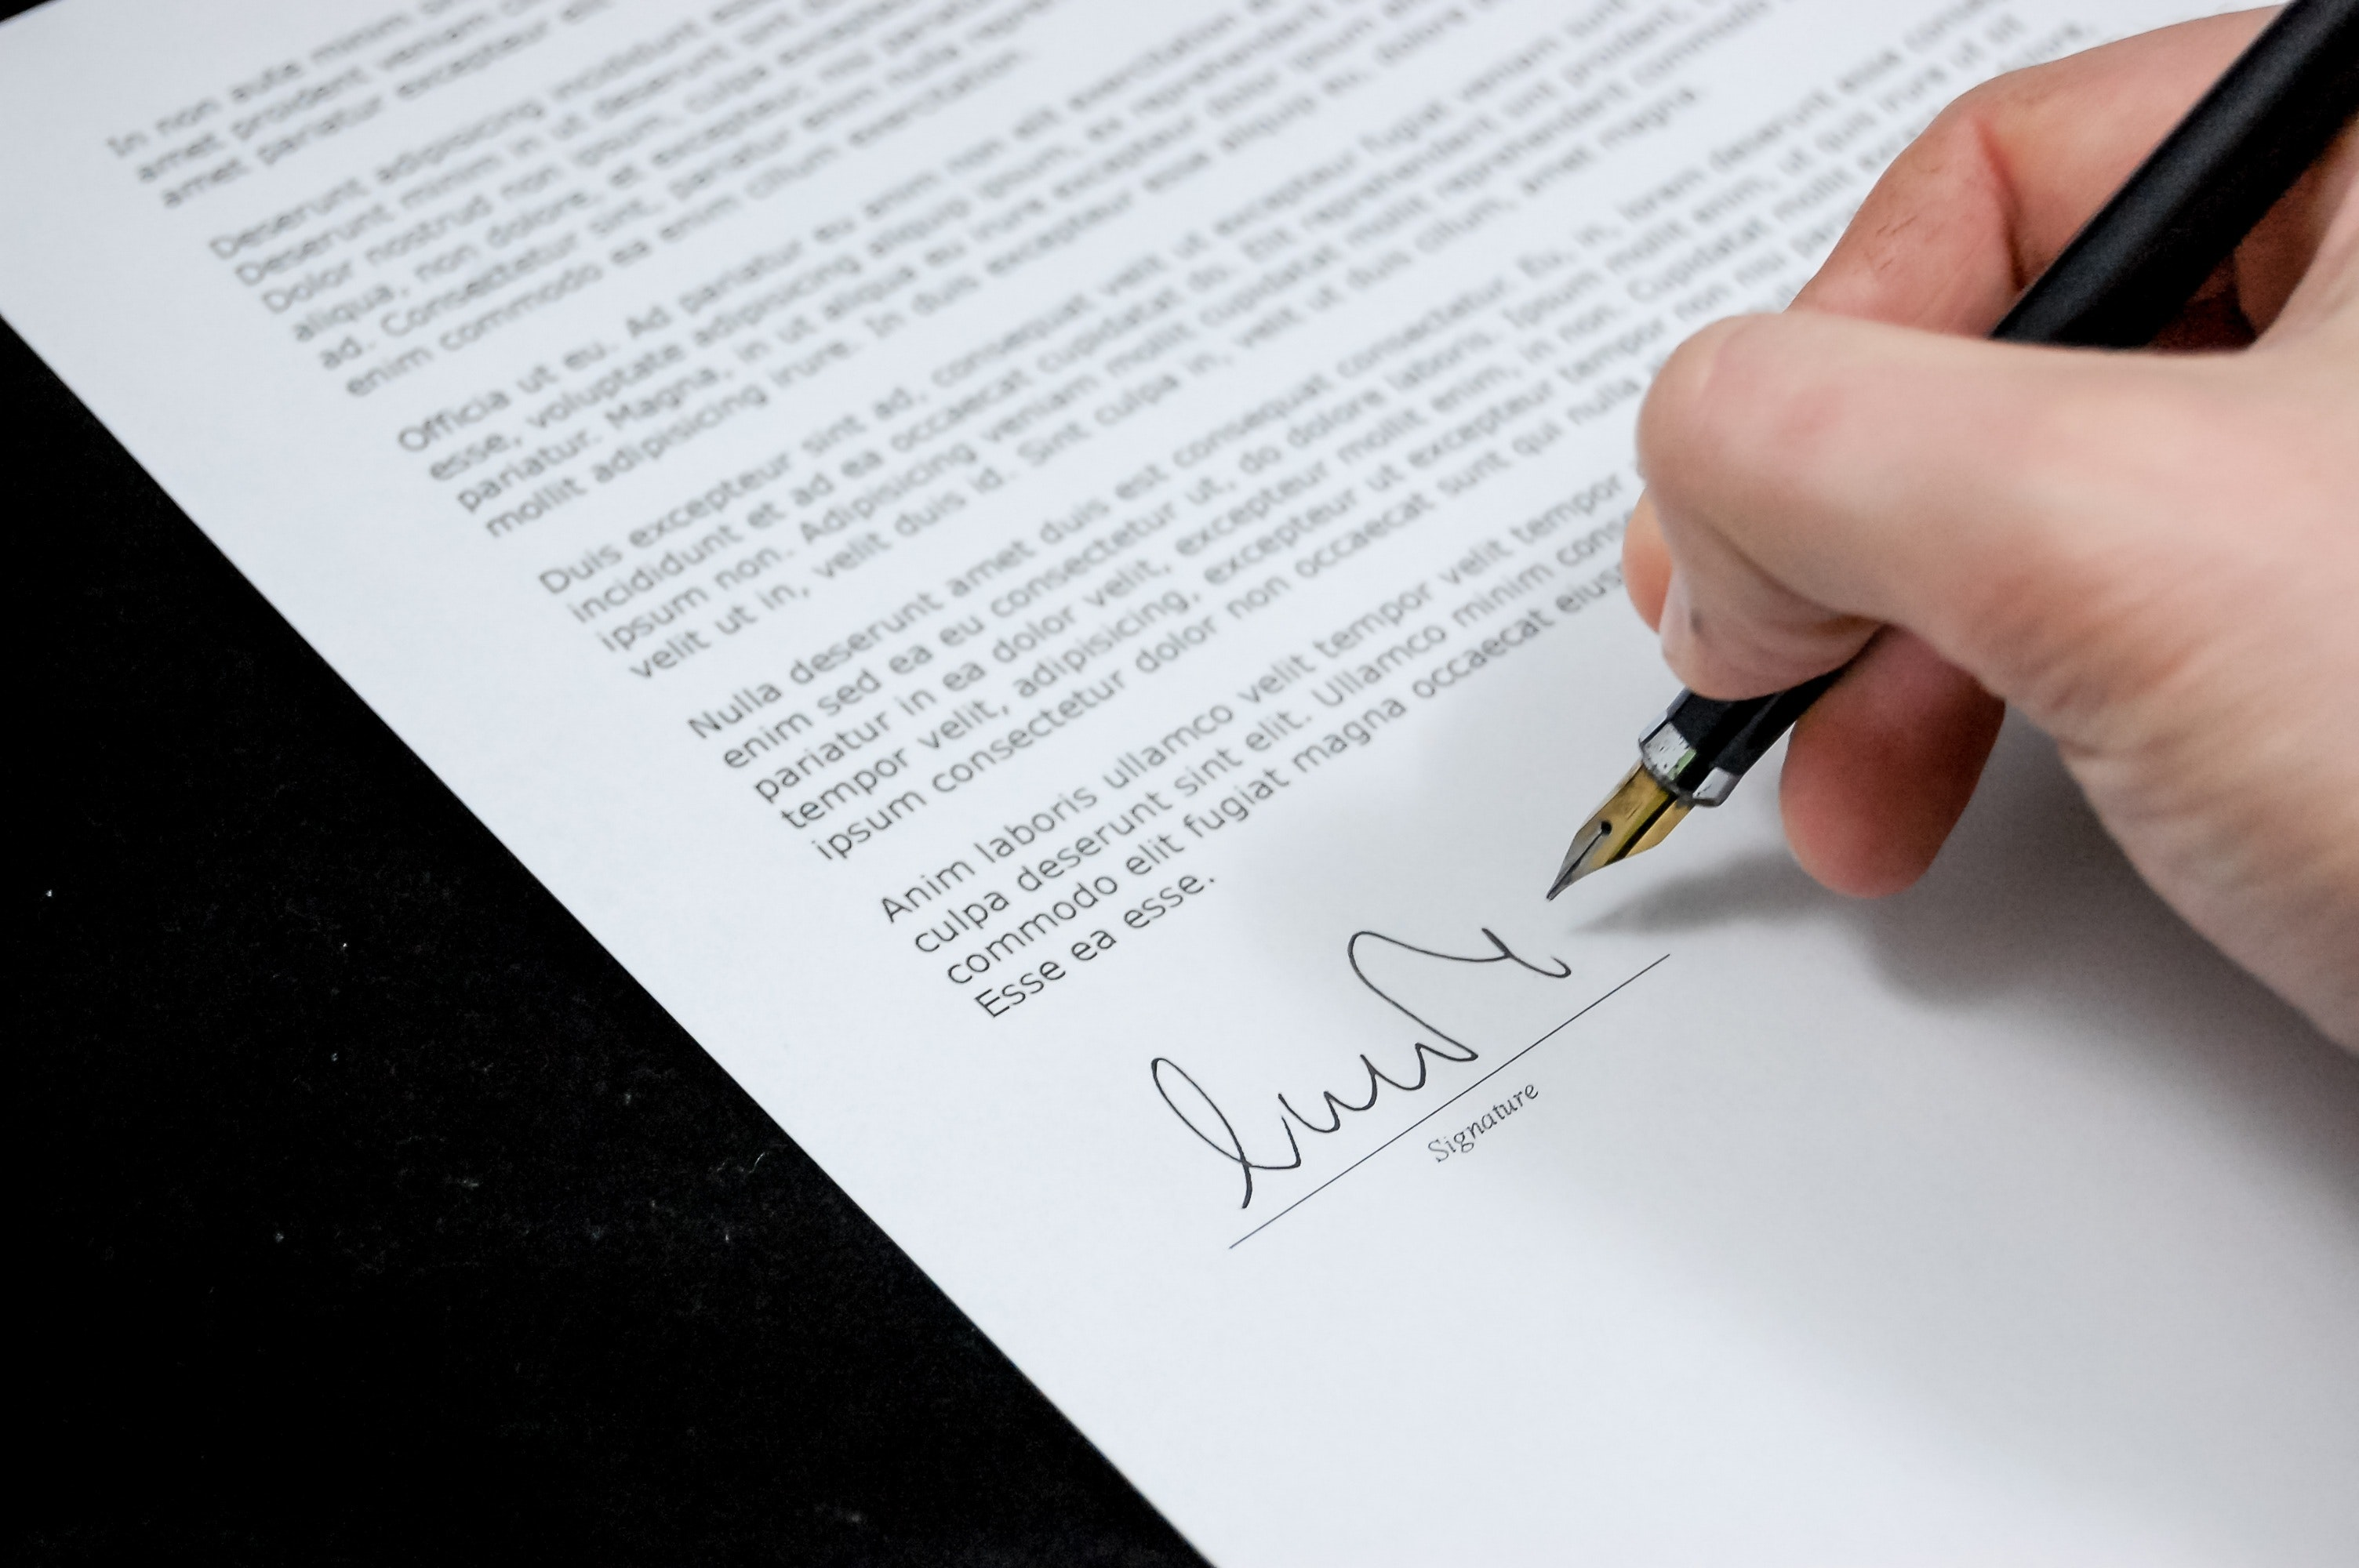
{"x":1637,"y":817}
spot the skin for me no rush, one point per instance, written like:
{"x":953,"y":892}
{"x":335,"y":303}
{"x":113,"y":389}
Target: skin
{"x":2153,"y":556}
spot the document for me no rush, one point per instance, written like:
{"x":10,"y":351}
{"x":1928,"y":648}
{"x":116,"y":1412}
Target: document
{"x":1044,"y":572}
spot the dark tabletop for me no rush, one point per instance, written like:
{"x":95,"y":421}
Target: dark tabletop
{"x":376,"y":1214}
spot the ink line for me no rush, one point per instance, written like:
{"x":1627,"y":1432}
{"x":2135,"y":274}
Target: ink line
{"x":1445,"y":1105}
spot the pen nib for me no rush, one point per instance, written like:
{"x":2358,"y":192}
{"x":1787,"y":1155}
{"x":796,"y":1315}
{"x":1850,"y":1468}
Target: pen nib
{"x":1637,"y":817}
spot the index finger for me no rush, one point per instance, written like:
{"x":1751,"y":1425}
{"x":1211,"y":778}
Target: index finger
{"x":1978,"y":205}
{"x":2000,"y":182}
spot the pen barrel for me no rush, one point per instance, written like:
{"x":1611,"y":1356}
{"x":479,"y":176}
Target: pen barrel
{"x":2135,"y":265}
{"x":1700,"y":746}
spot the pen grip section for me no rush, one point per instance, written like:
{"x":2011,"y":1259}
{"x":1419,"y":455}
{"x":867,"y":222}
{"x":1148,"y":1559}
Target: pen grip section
{"x":1701,"y":746}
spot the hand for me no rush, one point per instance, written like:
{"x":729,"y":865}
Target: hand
{"x":2154,"y":556}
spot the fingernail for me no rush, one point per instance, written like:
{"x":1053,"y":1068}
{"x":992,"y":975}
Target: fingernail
{"x":1679,"y":630}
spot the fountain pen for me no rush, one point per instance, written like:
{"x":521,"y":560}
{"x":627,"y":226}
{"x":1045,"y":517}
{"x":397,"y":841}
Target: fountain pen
{"x":2121,"y":280}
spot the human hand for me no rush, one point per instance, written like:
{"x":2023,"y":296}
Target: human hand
{"x":2154,"y":556}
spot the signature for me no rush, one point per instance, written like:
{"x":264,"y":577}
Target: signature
{"x":1201,"y":1116}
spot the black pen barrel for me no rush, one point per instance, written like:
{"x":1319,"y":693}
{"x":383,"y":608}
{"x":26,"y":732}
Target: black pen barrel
{"x":2216,"y":174}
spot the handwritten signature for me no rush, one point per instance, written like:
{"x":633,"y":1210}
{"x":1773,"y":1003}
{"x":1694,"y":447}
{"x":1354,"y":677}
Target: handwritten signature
{"x":1198,"y":1112}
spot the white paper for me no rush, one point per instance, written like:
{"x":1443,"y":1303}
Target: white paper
{"x":763,"y":454}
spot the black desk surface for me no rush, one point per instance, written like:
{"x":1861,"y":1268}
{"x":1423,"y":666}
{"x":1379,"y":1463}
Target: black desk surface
{"x":376,"y":1215}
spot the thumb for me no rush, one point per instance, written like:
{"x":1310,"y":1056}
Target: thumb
{"x":1815,"y":476}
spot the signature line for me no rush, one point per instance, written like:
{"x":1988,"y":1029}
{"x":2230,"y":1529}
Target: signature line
{"x":1445,"y":1105}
